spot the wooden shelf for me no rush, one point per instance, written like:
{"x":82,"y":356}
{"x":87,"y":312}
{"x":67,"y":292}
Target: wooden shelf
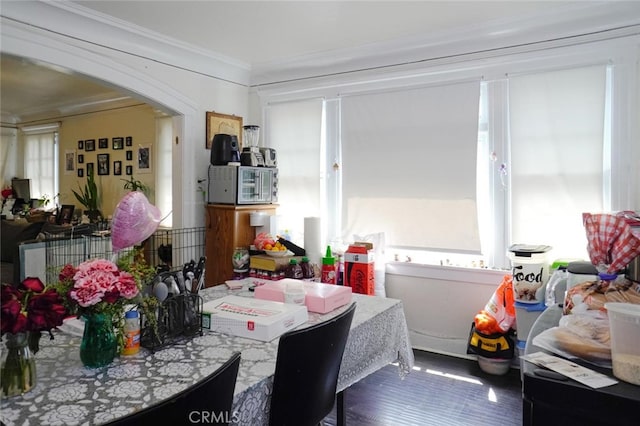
{"x":227,"y":227}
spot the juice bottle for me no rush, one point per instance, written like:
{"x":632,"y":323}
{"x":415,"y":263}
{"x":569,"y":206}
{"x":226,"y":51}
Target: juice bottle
{"x":307,"y":269}
{"x":294,"y":270}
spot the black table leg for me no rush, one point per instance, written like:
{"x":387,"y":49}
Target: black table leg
{"x":340,"y":418}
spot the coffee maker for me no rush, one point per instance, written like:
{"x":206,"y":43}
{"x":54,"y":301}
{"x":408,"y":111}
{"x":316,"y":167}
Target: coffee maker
{"x":251,"y":155}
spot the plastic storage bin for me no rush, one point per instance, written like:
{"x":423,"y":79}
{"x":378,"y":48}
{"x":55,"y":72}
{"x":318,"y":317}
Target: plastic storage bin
{"x":624,"y":324}
{"x":530,"y":271}
{"x":526,"y":315}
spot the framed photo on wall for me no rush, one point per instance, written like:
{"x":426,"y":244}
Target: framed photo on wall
{"x":90,"y":145}
{"x":129,"y":155}
{"x":69,"y":162}
{"x":118,"y":143}
{"x":129,"y":141}
{"x":103,"y":164}
{"x":117,"y":168}
{"x":223,"y":123}
{"x":143,"y":165}
{"x":103,"y":143}
{"x":90,"y":170}
{"x":129,"y":170}
{"x":80,"y":144}
{"x":80,"y":172}
{"x":80,"y":158}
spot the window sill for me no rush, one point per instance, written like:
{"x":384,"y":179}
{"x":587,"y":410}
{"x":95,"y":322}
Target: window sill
{"x":491,"y":277}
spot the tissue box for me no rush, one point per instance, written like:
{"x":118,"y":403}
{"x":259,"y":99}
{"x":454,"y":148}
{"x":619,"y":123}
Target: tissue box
{"x":320,"y":298}
{"x":252,"y":318}
{"x":359,"y":271}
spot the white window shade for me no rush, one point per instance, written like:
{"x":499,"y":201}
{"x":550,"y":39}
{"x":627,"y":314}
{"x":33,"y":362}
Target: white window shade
{"x":409,"y":166}
{"x":40,"y":163}
{"x":557,"y":132}
{"x":294,"y":130}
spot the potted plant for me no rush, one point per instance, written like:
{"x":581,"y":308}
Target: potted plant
{"x":132,"y":184}
{"x":88,"y":197}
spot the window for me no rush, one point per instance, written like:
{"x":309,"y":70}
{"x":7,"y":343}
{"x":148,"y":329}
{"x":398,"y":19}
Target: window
{"x":409,"y":166}
{"x":523,"y":153}
{"x":163,"y":191}
{"x":295,"y":132}
{"x":41,"y":160}
{"x":557,"y":135}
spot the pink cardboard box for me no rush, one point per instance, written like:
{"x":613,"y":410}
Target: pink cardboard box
{"x":320,"y":298}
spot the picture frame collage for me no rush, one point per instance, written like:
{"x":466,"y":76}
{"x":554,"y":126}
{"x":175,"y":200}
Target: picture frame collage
{"x":97,"y":155}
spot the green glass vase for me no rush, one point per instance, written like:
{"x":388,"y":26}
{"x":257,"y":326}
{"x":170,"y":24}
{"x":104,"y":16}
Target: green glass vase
{"x":99,"y":345}
{"x":18,"y":373}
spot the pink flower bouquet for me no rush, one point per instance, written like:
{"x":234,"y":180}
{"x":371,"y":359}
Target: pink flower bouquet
{"x":98,"y":286}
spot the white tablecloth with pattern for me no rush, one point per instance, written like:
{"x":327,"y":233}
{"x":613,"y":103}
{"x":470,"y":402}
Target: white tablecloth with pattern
{"x":68,"y":394}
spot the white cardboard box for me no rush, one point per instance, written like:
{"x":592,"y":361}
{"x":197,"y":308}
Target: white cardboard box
{"x":252,"y":318}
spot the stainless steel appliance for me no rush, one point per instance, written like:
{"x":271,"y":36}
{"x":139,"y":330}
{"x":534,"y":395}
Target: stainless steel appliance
{"x":269,"y":156}
{"x":243,"y":185}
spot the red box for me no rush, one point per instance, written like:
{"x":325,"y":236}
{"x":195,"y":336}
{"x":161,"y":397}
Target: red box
{"x":359,"y":271}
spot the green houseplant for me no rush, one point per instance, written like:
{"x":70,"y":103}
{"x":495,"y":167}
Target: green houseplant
{"x":89,"y":198}
{"x":132,"y":184}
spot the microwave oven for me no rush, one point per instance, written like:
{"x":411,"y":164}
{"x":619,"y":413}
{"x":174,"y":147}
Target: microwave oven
{"x":243,"y":185}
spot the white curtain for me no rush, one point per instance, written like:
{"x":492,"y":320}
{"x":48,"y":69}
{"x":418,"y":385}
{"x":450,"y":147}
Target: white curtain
{"x":409,"y":166}
{"x":557,"y":128}
{"x":294,"y":130}
{"x":40,"y":163}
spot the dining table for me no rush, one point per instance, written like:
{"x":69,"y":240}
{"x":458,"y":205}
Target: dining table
{"x":68,"y":393}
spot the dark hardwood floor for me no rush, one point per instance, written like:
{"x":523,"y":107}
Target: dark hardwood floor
{"x":441,"y":390}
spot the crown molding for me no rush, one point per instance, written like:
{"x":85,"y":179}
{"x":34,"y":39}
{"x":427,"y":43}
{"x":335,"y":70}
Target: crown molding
{"x":76,"y":22}
{"x":575,"y":24}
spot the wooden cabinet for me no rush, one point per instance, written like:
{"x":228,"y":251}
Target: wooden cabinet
{"x":227,"y":227}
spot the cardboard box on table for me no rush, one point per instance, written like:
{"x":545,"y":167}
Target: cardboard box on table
{"x":268,"y":263}
{"x":359,"y":271}
{"x":252,"y":318}
{"x":320,"y":298}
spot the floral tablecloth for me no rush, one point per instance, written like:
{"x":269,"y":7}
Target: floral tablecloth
{"x":68,"y":394}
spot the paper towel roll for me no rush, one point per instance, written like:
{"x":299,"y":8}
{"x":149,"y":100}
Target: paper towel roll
{"x":257,"y":219}
{"x":312,"y":239}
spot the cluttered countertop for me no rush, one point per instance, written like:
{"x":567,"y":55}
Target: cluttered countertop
{"x":582,"y":356}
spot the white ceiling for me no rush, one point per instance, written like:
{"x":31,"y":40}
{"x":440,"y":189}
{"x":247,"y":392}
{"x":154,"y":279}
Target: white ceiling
{"x":254,"y":33}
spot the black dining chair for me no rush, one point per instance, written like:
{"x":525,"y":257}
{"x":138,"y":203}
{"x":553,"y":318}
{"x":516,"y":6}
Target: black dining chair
{"x":208,"y":402}
{"x":307,"y":367}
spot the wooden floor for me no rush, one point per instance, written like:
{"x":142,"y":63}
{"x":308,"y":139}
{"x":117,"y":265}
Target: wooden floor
{"x":441,"y":390}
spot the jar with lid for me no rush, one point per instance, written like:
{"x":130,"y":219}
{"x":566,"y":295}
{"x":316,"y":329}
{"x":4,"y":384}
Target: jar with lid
{"x":131,"y":333}
{"x":308,"y":273}
{"x":294,"y":270}
{"x":240,"y":261}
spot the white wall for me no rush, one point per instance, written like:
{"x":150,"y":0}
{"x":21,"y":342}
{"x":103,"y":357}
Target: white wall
{"x":440,"y":302}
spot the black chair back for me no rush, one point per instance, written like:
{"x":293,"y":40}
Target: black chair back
{"x":307,"y":368}
{"x":209,"y":401}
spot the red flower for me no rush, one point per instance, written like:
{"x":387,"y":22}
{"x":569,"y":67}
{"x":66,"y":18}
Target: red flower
{"x":45,"y":311}
{"x":30,"y":307}
{"x":67,"y":273}
{"x":32,"y":284}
